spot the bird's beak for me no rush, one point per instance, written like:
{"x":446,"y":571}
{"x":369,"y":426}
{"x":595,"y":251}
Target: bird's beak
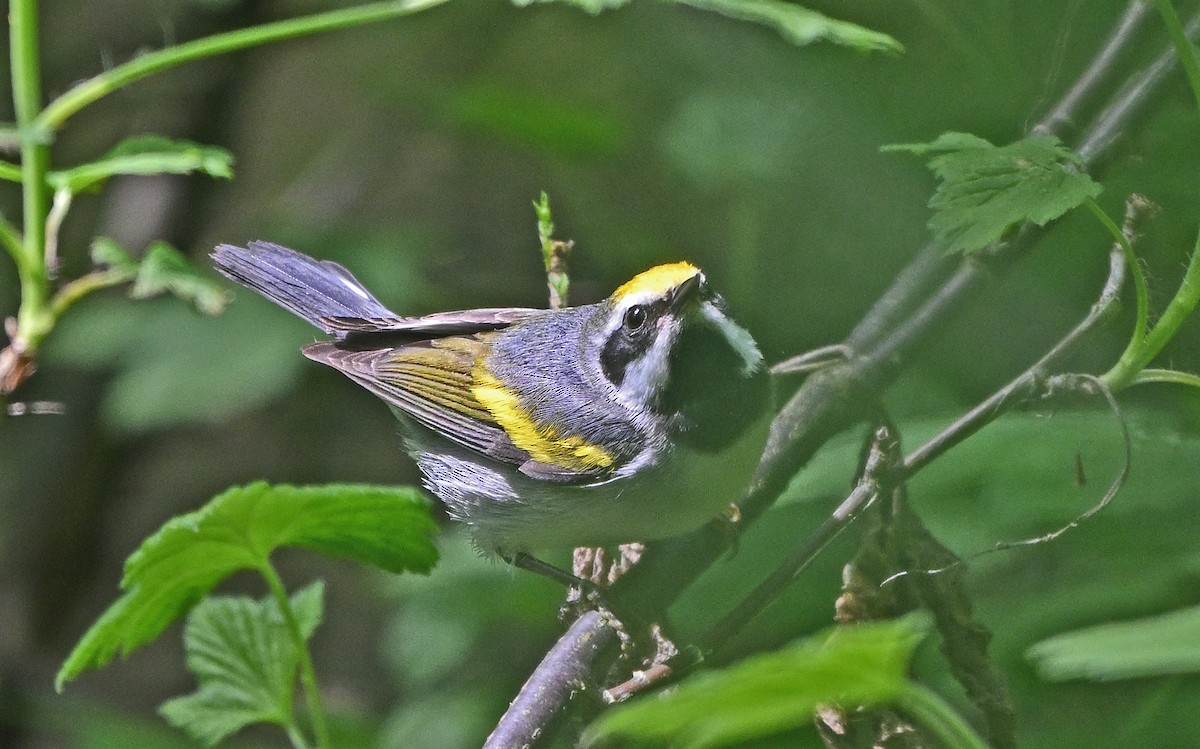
{"x":685,"y":291}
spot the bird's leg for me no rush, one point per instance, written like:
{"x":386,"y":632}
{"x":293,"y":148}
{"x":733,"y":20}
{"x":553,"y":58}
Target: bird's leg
{"x":545,"y":569}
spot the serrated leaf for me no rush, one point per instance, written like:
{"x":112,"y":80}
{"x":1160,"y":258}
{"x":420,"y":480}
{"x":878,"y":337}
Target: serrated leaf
{"x":987,"y":189}
{"x":146,"y":154}
{"x":856,"y":665}
{"x":165,"y":269}
{"x":245,"y":663}
{"x":172,"y":570}
{"x":1153,"y":646}
{"x":799,"y":25}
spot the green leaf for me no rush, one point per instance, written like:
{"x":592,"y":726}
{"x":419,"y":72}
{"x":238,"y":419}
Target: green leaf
{"x":172,"y":570}
{"x":245,"y":662}
{"x":800,"y":25}
{"x":106,"y":252}
{"x":856,"y":665}
{"x":1153,"y":646}
{"x":987,"y":189}
{"x":162,"y":269}
{"x":165,"y":269}
{"x":146,"y":154}
{"x":591,"y":6}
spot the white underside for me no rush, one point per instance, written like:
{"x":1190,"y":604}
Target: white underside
{"x":509,"y":512}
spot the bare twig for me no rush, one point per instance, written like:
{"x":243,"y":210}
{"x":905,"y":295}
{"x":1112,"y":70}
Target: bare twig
{"x":932,"y":265}
{"x":874,"y":475}
{"x":1099,"y":69}
{"x":1033,"y":379}
{"x":1059,"y":385}
{"x":639,"y":681}
{"x":1088,"y":384}
{"x":1025,"y":384}
{"x":1129,"y":102}
{"x":36,"y":408}
{"x":811,"y":361}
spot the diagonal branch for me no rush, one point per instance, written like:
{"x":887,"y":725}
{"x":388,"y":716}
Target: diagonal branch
{"x":1033,"y":381}
{"x":566,"y":669}
{"x":922,"y":297}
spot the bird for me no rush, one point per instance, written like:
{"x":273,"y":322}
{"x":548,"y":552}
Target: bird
{"x":634,"y":418}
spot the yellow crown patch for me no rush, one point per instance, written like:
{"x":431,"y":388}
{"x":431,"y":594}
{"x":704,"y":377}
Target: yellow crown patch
{"x":658,"y":280}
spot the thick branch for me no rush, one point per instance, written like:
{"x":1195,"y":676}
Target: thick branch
{"x":565,"y":671}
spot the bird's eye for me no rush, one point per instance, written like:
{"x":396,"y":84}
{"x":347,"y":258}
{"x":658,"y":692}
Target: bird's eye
{"x":635,"y":318}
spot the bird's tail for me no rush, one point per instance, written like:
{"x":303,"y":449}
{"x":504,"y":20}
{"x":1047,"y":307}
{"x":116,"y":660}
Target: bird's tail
{"x":310,"y":288}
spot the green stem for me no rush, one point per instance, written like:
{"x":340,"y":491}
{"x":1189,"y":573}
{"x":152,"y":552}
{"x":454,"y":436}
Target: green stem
{"x":1141,"y":288}
{"x":10,"y":172}
{"x":932,"y":712}
{"x":1183,"y":47}
{"x":12,"y":240}
{"x":296,"y":737}
{"x":84,"y":285}
{"x":554,"y":254}
{"x":1168,"y":376}
{"x":93,"y":89}
{"x":308,"y":675}
{"x":1178,"y":309}
{"x":33,"y":320}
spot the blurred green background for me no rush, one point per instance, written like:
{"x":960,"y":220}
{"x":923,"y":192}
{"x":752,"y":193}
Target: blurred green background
{"x":410,"y":152}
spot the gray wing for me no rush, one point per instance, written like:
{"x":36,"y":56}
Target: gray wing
{"x":464,"y":322}
{"x":430,"y":381}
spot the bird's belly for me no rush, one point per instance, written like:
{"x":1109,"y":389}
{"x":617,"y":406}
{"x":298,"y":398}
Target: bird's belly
{"x":508,"y":511}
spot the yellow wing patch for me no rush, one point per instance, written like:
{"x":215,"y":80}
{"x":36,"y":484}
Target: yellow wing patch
{"x":440,"y":374}
{"x":543,"y":442}
{"x":658,"y":280}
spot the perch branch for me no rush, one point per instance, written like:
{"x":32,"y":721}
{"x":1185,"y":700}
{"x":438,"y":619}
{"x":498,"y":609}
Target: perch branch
{"x":566,"y":670}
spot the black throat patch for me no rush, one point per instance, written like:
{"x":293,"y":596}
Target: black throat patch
{"x":710,"y":398}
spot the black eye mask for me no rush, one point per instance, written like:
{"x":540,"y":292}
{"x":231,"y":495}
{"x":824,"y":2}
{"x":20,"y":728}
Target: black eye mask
{"x":632,"y":340}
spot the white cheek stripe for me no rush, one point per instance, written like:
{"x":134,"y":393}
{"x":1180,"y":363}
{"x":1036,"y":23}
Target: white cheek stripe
{"x":739,"y":338}
{"x":646,"y":375}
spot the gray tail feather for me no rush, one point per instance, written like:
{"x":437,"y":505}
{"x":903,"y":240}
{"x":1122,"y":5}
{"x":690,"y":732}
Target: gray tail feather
{"x":309,"y":288}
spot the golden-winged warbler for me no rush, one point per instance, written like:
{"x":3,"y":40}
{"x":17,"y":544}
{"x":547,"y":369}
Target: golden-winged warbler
{"x":631,"y":419}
